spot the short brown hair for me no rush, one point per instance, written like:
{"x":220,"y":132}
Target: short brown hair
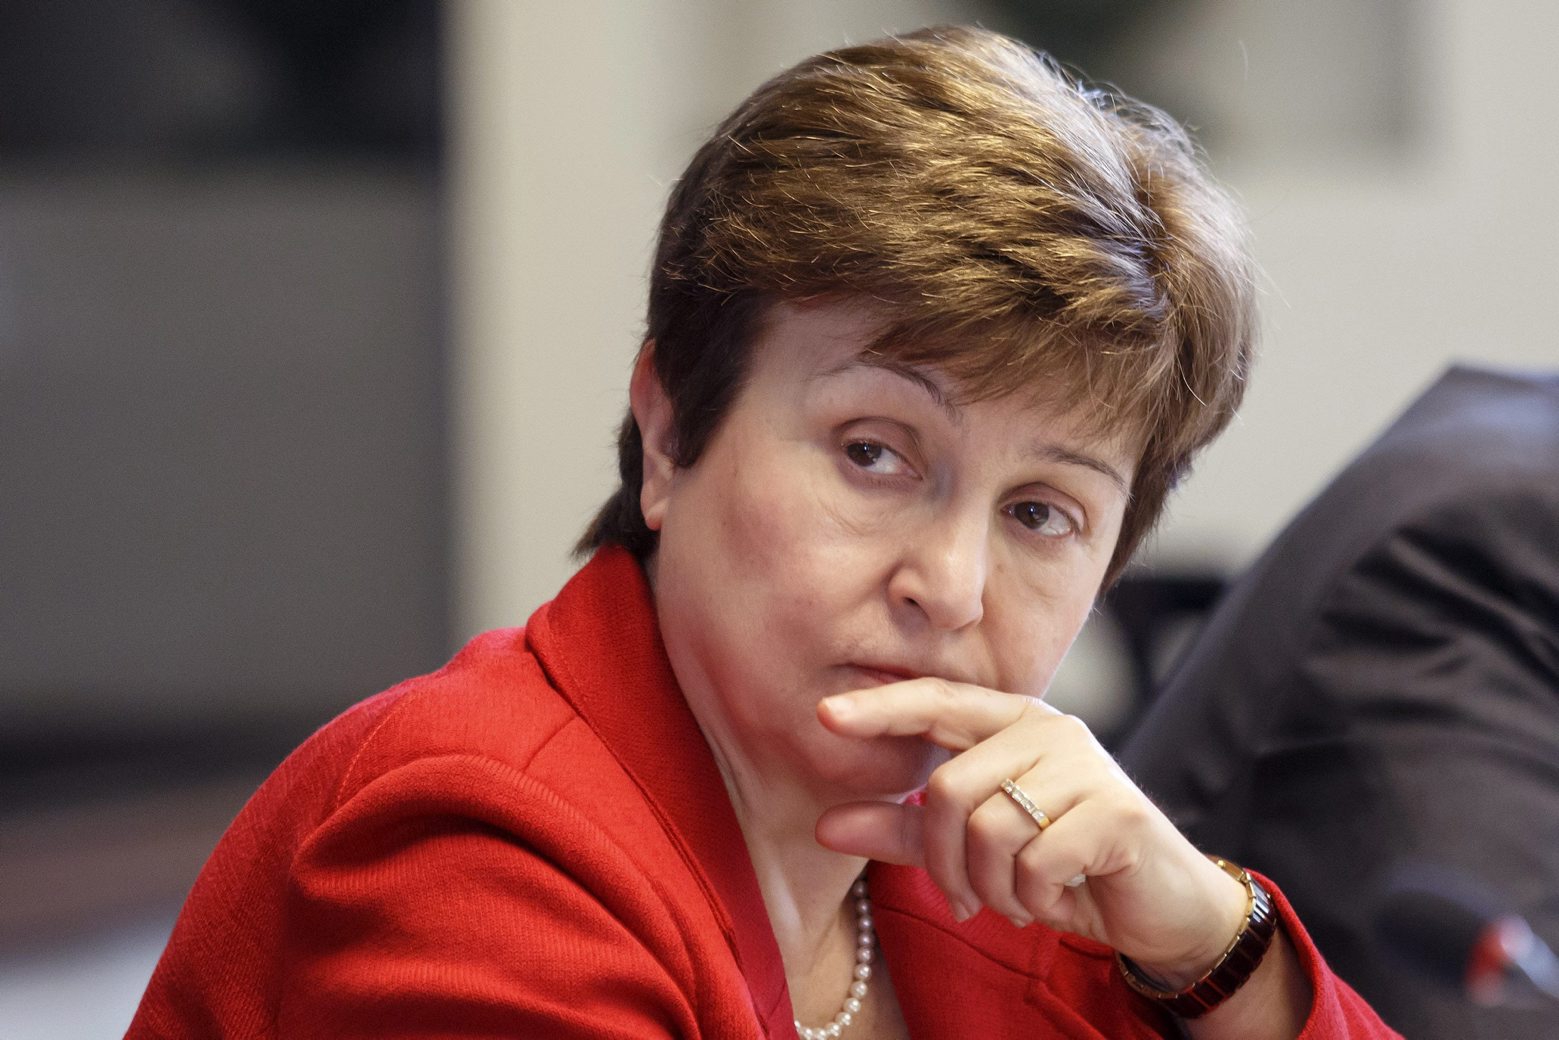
{"x":1023,"y":231}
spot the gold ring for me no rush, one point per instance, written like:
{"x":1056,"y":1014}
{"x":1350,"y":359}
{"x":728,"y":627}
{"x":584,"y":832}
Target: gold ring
{"x":1022,"y":800}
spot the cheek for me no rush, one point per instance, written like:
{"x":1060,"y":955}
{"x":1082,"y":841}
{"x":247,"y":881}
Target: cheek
{"x":1038,"y":632}
{"x":754,"y":523}
{"x":1036,"y":663}
{"x":781,"y":531}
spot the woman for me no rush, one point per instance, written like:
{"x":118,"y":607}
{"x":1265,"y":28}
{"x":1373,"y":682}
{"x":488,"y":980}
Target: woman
{"x":932,"y":332}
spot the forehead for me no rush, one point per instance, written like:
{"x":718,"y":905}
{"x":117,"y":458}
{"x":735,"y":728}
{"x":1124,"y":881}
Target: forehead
{"x":810,"y":350}
{"x":815,"y":339}
{"x":814,"y":329}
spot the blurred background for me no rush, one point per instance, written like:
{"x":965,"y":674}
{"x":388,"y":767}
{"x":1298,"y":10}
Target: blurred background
{"x":316,"y":320}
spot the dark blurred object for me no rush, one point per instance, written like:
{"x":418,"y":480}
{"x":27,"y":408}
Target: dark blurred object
{"x":1383,"y":686}
{"x":1156,"y":616}
{"x":203,"y":79}
{"x":1457,"y":932}
{"x":1088,"y":34}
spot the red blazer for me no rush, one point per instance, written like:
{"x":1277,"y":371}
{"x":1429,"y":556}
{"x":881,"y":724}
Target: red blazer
{"x":535,"y":841}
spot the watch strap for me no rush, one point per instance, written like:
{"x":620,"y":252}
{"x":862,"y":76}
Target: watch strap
{"x":1231,"y":971}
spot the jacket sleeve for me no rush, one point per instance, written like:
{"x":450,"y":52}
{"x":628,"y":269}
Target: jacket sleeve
{"x":1336,"y":1011}
{"x":425,"y":906}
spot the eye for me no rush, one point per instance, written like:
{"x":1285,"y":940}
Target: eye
{"x":1043,"y":519}
{"x":875,"y":457}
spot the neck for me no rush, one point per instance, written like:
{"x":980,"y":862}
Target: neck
{"x":806,"y":891}
{"x":805,"y":886}
{"x":811,"y":908}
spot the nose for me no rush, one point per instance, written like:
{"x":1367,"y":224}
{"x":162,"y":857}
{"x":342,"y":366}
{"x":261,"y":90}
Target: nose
{"x":942,"y":570}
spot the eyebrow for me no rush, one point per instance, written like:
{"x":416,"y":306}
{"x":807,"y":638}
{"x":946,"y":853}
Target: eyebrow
{"x":914,"y":375}
{"x":1068,"y":457}
{"x":1049,"y":452}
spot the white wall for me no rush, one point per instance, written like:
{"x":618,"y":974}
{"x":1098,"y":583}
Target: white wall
{"x":1384,"y":264}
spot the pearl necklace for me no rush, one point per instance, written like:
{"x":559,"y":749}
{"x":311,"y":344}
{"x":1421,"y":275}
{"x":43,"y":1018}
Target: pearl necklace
{"x":863,"y":971}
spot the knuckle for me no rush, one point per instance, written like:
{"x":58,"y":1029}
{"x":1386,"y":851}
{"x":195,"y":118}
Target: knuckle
{"x":1036,"y":877}
{"x":1031,"y":860}
{"x":1039,"y":899}
{"x":1135,"y":813}
{"x":1075,"y":726}
{"x":985,"y":825}
{"x":945,"y":787}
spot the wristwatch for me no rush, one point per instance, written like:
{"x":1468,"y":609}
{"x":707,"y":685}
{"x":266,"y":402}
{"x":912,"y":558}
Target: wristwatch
{"x":1230,"y":971}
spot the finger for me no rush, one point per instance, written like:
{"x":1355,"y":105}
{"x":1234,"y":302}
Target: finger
{"x":997,"y":833}
{"x":973,"y":830}
{"x":1054,"y":761}
{"x":958,"y":787}
{"x":1000,"y":829}
{"x":1040,"y":754}
{"x":883,"y":831}
{"x":1044,"y":870}
{"x":944,"y":836}
{"x":953,"y":715}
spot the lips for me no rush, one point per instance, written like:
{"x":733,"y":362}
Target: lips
{"x":878,"y":673}
{"x":881,"y":675}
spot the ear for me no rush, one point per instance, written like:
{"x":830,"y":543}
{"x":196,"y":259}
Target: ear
{"x":652,"y":411}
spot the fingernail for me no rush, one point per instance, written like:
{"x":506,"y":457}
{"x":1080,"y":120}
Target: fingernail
{"x":962,"y":911}
{"x":1021,"y":920}
{"x":838,"y":704}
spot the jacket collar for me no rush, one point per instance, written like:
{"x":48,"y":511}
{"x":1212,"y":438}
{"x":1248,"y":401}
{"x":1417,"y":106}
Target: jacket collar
{"x":600,"y":643}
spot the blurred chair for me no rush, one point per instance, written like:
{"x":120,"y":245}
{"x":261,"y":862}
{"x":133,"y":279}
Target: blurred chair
{"x":1155,"y":615}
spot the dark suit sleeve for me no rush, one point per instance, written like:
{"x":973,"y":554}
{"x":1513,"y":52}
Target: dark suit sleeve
{"x":1404,"y":709}
{"x":1426,"y":732}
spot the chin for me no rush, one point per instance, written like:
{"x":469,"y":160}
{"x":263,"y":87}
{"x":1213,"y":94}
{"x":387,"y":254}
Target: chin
{"x":889,"y":767}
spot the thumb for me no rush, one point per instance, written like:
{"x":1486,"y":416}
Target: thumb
{"x":884,"y":831}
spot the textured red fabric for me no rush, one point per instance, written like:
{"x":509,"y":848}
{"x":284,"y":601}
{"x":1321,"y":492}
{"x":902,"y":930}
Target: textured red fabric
{"x":535,"y":841}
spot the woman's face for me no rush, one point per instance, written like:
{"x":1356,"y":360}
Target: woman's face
{"x":848,"y":525}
